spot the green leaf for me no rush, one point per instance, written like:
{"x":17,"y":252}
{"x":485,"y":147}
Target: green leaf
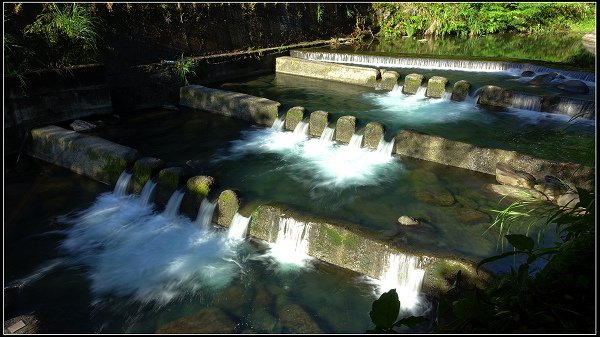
{"x":497,"y":257}
{"x":411,"y":321}
{"x":520,"y":242}
{"x":385,"y":310}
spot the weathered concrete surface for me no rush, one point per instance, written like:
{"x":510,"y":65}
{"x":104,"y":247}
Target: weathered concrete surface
{"x":481,"y":159}
{"x":228,"y":204}
{"x":348,"y":246}
{"x":293,"y":117}
{"x":317,"y":123}
{"x":327,"y":71}
{"x":143,"y":169}
{"x":344,"y":129}
{"x":495,"y":96}
{"x":436,"y":87}
{"x":412,"y":82}
{"x":372,"y":135}
{"x":254,"y":109}
{"x":460,"y":91}
{"x":169,"y":180}
{"x":389,"y":79}
{"x":91,"y":156}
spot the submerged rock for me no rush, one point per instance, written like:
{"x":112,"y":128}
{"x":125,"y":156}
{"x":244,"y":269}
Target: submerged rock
{"x":206,"y":321}
{"x":527,"y":73}
{"x":514,"y":192}
{"x":543,"y":79}
{"x":508,"y":176}
{"x":471,"y":216}
{"x":438,"y":196}
{"x":263,"y":321}
{"x":574,"y":86}
{"x":406,"y":220}
{"x":294,"y":319}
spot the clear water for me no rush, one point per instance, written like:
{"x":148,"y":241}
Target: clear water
{"x":548,"y":136}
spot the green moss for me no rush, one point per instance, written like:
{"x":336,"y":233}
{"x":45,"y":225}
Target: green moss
{"x":141,"y":173}
{"x":169,"y":178}
{"x":341,"y":237}
{"x":200,"y":185}
{"x":334,"y":237}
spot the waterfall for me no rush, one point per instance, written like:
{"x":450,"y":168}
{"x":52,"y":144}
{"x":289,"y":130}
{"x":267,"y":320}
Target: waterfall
{"x":396,"y":90}
{"x":446,"y":96}
{"x":421,"y":92}
{"x":384,"y":147}
{"x":356,"y":140}
{"x":301,"y":128}
{"x":327,"y":134}
{"x":576,"y":107}
{"x":205,"y":213}
{"x":238,"y":227}
{"x":147,"y":192}
{"x":173,"y":204}
{"x":278,"y":124}
{"x":291,"y":245}
{"x":433,"y":63}
{"x":526,"y":102}
{"x":401,"y":272}
{"x":122,"y":184}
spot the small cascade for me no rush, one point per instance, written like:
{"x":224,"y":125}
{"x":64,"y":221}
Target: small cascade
{"x":421,"y":92}
{"x":402,"y":272}
{"x":122,"y":185}
{"x":396,"y":90}
{"x":356,"y":140}
{"x":291,"y":245}
{"x":278,"y":124}
{"x":526,"y":102}
{"x":173,"y":204}
{"x":205,"y":213}
{"x":327,"y":134}
{"x":147,"y":192}
{"x":576,"y":107}
{"x":446,"y":96}
{"x":301,"y":128}
{"x":238,"y":227}
{"x":385,"y":148}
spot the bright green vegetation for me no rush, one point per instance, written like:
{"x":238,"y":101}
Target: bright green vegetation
{"x":408,"y":19}
{"x":185,"y":67}
{"x":557,"y":297}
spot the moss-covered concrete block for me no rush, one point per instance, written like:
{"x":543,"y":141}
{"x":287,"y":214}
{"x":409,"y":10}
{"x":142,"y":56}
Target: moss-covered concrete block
{"x":143,"y":170}
{"x":436,"y":87}
{"x":91,"y":156}
{"x":495,"y":96}
{"x":327,"y":71}
{"x":389,"y":79}
{"x":460,"y":91}
{"x":263,"y":222}
{"x":345,"y":127}
{"x":228,"y":204}
{"x":481,"y":159}
{"x":293,"y":117}
{"x":412,"y":83}
{"x":233,"y":104}
{"x":317,"y":123}
{"x":169,"y":180}
{"x":372,"y":135}
{"x":198,"y":188}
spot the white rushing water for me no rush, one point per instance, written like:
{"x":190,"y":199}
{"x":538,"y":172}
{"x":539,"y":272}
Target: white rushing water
{"x":147,"y":192}
{"x":122,"y":185}
{"x":205,"y":213}
{"x":301,"y":128}
{"x":356,"y":141}
{"x":385,"y":148}
{"x":327,"y":134}
{"x":238,"y":227}
{"x":128,"y":250}
{"x":402,"y":273}
{"x":278,"y":124}
{"x":291,"y":245}
{"x":526,"y":102}
{"x":172,"y":207}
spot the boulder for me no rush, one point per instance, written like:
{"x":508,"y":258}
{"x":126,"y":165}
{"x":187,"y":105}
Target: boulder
{"x":293,"y":117}
{"x":550,"y":189}
{"x":543,"y":79}
{"x":495,"y":96}
{"x":318,"y":122}
{"x":460,"y":91}
{"x":574,"y":86}
{"x":372,"y":135}
{"x":406,"y":220}
{"x":436,"y":87}
{"x":514,"y":192}
{"x":206,"y":321}
{"x":508,"y":176}
{"x":568,"y":200}
{"x":527,"y":73}
{"x":344,"y":129}
{"x":412,"y":83}
{"x":79,"y":125}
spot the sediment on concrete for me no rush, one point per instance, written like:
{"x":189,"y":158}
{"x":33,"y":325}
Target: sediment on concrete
{"x":362,"y":76}
{"x":468,"y":156}
{"x":346,"y":246}
{"x":233,"y":104}
{"x":91,"y":156}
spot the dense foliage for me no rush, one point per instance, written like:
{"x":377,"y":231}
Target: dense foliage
{"x":412,"y":18}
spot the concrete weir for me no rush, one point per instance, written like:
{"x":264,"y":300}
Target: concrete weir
{"x":233,"y":104}
{"x":91,"y":156}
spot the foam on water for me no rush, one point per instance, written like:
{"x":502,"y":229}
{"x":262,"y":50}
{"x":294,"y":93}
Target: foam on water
{"x":128,"y":250}
{"x":291,"y":245}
